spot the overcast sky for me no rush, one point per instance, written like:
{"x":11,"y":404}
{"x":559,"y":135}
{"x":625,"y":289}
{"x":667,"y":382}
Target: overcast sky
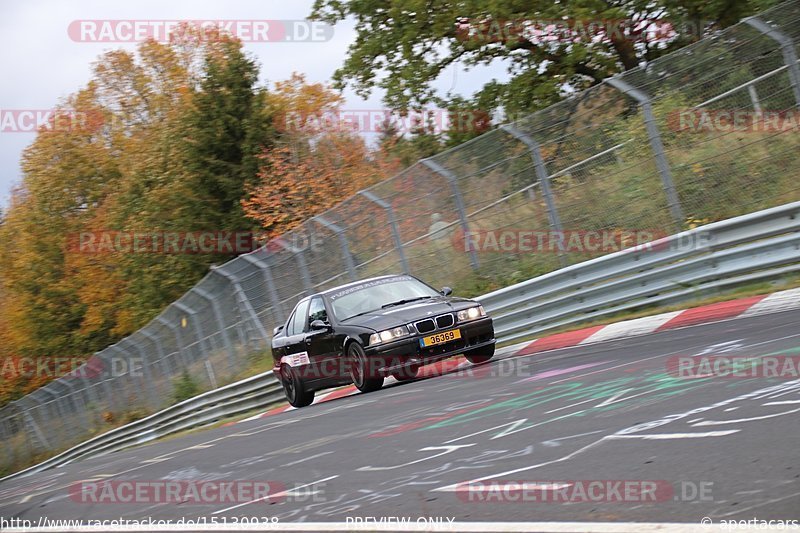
{"x":42,"y":63}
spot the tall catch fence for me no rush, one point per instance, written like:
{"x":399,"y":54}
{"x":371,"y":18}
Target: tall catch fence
{"x":675,"y":143}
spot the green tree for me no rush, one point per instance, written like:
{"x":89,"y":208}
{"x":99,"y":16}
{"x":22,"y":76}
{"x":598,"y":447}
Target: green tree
{"x":402,"y":46}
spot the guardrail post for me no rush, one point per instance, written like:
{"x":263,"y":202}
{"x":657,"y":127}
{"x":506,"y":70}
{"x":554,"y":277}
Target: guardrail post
{"x":398,"y":242}
{"x":348,"y":257}
{"x":245,"y":307}
{"x":787,"y":49}
{"x":277,"y":308}
{"x":220,"y":323}
{"x":544,"y":181}
{"x":657,"y":146}
{"x":178,"y":339}
{"x":462,"y":214}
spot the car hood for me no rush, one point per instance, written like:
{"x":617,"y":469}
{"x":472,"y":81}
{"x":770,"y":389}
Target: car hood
{"x":391,"y":317}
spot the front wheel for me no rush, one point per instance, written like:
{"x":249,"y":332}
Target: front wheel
{"x":480,"y":355}
{"x":295,"y":389}
{"x":360,"y":371}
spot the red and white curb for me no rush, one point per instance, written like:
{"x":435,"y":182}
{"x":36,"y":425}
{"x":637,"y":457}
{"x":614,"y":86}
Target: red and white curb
{"x":741,"y":308}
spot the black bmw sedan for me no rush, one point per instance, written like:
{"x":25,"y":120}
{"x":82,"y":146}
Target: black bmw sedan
{"x":362,"y":332}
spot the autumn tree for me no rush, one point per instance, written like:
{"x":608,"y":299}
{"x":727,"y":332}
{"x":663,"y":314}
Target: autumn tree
{"x":173,"y":135}
{"x":317,"y":160}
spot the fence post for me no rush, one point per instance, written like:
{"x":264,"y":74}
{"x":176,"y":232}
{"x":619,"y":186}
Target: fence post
{"x":277,"y":308}
{"x":301,"y":262}
{"x":202,"y":293}
{"x":544,"y":181}
{"x":152,"y":398}
{"x":203,"y":342}
{"x":348,"y":257}
{"x":178,"y":338}
{"x":130,"y":371}
{"x":245,"y":307}
{"x":160,"y":348}
{"x":83,"y":374}
{"x":105,"y":375}
{"x":398,"y":242}
{"x":32,"y":430}
{"x":787,"y":49}
{"x":657,"y":146}
{"x":462,"y":214}
{"x":77,"y":402}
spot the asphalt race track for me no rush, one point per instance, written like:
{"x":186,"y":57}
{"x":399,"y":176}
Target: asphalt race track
{"x":519,"y":429}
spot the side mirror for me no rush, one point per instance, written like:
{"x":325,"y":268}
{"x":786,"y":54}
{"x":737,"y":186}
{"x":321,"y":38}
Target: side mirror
{"x":277,"y":330}
{"x":319,"y":324}
{"x":446,"y":291}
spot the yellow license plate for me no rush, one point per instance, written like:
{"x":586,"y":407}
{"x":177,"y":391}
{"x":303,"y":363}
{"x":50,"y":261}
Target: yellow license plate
{"x":440,"y":338}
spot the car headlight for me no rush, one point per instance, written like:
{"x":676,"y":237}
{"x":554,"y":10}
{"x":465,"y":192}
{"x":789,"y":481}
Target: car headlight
{"x":388,"y":335}
{"x":470,"y":314}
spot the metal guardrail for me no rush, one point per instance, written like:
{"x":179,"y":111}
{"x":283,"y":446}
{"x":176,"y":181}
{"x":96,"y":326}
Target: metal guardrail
{"x":748,"y":247}
{"x":207,"y":408}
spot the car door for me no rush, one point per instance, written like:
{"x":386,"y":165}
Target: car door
{"x":294,"y":352}
{"x":320,"y":343}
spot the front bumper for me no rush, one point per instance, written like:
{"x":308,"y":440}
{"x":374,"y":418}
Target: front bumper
{"x":407,"y":352}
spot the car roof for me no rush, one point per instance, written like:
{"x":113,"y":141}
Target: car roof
{"x":359,"y":282}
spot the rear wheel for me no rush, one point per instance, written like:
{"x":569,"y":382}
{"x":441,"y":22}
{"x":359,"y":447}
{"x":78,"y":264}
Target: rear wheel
{"x":360,"y":371}
{"x":295,"y":389}
{"x":481,"y":355}
{"x":406,"y":374}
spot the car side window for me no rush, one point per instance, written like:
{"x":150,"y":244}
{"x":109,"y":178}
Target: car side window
{"x":297,"y":323}
{"x":316,"y":311}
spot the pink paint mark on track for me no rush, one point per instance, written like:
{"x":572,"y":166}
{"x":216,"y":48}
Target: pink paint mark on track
{"x":560,"y":371}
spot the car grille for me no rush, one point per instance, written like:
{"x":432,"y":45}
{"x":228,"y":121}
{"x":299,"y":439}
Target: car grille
{"x":445,"y":321}
{"x":425,"y":326}
{"x":432,"y":324}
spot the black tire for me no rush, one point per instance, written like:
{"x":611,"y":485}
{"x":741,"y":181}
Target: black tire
{"x":295,"y":389}
{"x":360,"y":369}
{"x":481,"y":355}
{"x":406,"y":374}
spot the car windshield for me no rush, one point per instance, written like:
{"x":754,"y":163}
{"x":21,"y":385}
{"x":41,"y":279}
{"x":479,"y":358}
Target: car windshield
{"x":374,"y":295}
